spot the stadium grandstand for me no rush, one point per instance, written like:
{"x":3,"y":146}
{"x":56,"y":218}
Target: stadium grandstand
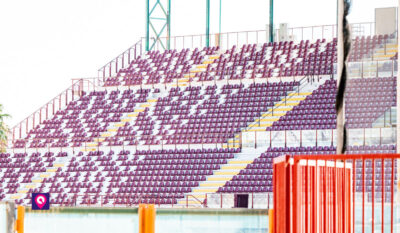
{"x":185,"y":123}
{"x":200,"y":126}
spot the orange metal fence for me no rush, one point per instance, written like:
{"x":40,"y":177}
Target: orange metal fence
{"x":321,"y":193}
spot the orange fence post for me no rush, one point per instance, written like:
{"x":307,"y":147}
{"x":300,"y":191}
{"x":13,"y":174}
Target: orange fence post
{"x":271,"y":220}
{"x":19,"y":223}
{"x":150,"y":218}
{"x":141,"y":213}
{"x":147,"y":216}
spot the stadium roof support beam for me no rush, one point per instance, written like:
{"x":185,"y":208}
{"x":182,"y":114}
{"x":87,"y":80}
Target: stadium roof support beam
{"x":158,"y":19}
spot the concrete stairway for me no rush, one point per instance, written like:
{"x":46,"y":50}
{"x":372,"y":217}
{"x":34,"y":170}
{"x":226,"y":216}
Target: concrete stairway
{"x":220,"y":177}
{"x":127,"y":117}
{"x":280,"y":108}
{"x":197,"y":68}
{"x":386,"y":51}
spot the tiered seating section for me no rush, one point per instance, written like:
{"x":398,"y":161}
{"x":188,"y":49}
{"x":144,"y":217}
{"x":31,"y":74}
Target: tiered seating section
{"x":368,"y":99}
{"x":317,"y":111}
{"x":257,"y":176}
{"x":281,"y":59}
{"x":363,"y":47}
{"x":85,"y":119}
{"x":18,"y":168}
{"x":110,"y":178}
{"x":207,"y":114}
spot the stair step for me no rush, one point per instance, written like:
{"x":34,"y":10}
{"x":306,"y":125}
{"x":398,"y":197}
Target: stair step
{"x":272,"y":114}
{"x":388,"y":50}
{"x":105,"y":135}
{"x":189,"y":202}
{"x":240,"y":162}
{"x":220,"y":178}
{"x":212,"y":184}
{"x":44,"y":175}
{"x":206,"y":190}
{"x":234,"y":167}
{"x":226,"y":173}
{"x":255,"y":130}
{"x":214,"y":57}
{"x":191,"y":75}
{"x":119,"y":124}
{"x":287,"y":104}
{"x":30,"y":186}
{"x":230,"y":146}
{"x":100,"y":139}
{"x":300,"y":94}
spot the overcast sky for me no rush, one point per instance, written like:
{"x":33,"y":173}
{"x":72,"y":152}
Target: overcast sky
{"x":46,"y":43}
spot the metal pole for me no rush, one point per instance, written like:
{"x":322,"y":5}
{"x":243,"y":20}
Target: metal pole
{"x":169,"y":25}
{"x":207,"y":23}
{"x":147,"y":25}
{"x":271,"y":20}
{"x":220,"y":10}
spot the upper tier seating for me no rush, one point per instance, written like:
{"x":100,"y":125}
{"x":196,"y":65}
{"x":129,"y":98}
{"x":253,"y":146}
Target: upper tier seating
{"x":367,"y":99}
{"x":280,"y":59}
{"x":363,"y":47}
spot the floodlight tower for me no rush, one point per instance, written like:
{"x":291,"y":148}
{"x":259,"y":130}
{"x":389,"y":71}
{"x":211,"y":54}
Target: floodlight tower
{"x":158,"y":19}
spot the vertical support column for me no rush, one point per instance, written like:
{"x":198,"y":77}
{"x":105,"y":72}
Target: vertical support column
{"x":271,"y":20}
{"x":398,"y":112}
{"x":169,"y":25}
{"x":340,"y":47}
{"x":220,"y":22}
{"x":207,"y":23}
{"x":147,"y":24}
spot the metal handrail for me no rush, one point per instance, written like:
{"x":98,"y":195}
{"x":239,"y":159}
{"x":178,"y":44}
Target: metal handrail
{"x":64,"y":97}
{"x":126,"y":58}
{"x":139,"y":50}
{"x":203,"y":203}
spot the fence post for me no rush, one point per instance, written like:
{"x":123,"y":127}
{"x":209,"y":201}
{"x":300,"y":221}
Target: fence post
{"x":252,"y":200}
{"x":221,"y":200}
